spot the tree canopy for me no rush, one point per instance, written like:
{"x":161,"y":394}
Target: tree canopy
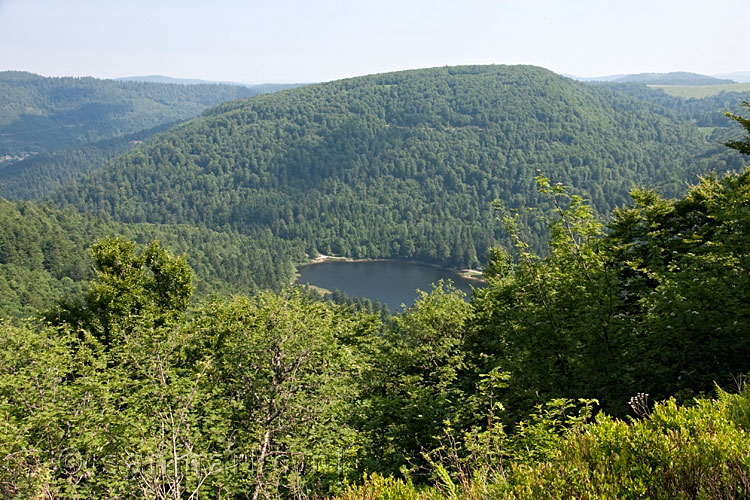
{"x":595,"y":363}
{"x":402,"y":165}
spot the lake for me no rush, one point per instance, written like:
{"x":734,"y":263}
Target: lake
{"x":390,"y":282}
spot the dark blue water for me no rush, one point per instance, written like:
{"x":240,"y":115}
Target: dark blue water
{"x":391,"y":282}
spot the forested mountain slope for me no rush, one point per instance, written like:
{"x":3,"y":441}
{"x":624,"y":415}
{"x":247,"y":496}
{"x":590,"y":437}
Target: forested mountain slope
{"x":401,"y":165}
{"x":44,"y":256}
{"x":41,"y":114}
{"x":56,"y":130}
{"x":39,"y":174}
{"x":707,"y":111}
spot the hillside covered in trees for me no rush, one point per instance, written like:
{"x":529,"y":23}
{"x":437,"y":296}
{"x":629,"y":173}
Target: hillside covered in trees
{"x":606,"y":356}
{"x":54,"y":130}
{"x":707,"y":112}
{"x":126,"y":391}
{"x":41,"y":113}
{"x":44,"y":256}
{"x":402,"y":165}
{"x":36,"y":175}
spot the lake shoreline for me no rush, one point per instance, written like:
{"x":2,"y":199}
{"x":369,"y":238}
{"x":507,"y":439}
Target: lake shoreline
{"x":466,"y":273}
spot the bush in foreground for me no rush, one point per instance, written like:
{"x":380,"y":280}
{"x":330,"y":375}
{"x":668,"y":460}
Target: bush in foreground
{"x":701,"y":451}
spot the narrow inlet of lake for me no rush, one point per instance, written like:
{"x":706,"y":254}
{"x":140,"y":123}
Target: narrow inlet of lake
{"x":390,"y":282}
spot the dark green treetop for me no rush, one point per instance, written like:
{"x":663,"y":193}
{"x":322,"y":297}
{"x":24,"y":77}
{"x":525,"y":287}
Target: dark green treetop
{"x":743,"y":146}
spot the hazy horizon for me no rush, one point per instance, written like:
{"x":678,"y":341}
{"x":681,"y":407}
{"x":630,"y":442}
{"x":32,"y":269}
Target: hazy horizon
{"x":189,"y":80}
{"x":294,"y":41}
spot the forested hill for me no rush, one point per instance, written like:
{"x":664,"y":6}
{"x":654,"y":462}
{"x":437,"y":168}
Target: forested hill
{"x":44,"y":256}
{"x":706,"y":111}
{"x":674,"y":78}
{"x":41,"y":114}
{"x":39,"y":174}
{"x":401,"y":165}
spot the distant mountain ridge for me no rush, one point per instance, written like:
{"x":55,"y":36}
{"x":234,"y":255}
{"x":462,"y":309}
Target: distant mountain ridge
{"x":55,"y":129}
{"x":739,"y":76}
{"x":262,"y":88}
{"x":46,"y":113}
{"x":179,"y":81}
{"x":673,"y":78}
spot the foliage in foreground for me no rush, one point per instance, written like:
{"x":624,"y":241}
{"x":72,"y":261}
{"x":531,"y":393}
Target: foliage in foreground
{"x":129,"y":393}
{"x":655,"y":303}
{"x":281,"y":396}
{"x":701,"y":451}
{"x":129,"y":397}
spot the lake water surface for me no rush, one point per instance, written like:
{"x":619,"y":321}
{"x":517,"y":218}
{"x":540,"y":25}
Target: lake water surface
{"x":390,"y":282}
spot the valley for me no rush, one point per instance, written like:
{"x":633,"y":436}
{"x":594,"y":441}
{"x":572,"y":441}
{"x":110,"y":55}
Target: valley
{"x":158,"y":338}
{"x":75,"y":125}
{"x":401,"y":166}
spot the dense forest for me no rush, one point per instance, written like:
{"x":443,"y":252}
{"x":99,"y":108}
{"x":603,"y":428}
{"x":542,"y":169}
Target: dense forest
{"x":42,"y":114}
{"x":402,"y":165}
{"x":707,"y":112}
{"x":55,"y":130}
{"x":125,"y":390}
{"x":39,"y":174}
{"x":43,"y":256}
{"x":151,"y":346}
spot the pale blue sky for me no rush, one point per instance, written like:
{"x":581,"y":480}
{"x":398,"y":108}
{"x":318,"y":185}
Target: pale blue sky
{"x":305,"y":41}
